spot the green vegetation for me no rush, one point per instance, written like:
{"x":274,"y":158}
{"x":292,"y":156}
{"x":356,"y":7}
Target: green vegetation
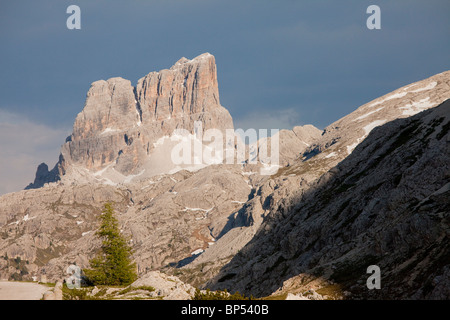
{"x":130,"y":289}
{"x":113,"y":265}
{"x":219,"y":295}
{"x":109,"y":293}
{"x":77,"y":294}
{"x":282,"y":296}
{"x":332,"y":291}
{"x":20,"y":266}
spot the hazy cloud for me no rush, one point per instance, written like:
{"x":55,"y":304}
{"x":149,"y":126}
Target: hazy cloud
{"x":316,"y":60}
{"x":275,"y":119}
{"x":23,"y":146}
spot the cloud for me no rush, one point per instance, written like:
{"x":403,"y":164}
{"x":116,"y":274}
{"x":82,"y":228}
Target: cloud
{"x":269,"y":119}
{"x":25,"y":144}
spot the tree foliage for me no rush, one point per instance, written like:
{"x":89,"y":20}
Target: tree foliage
{"x":113,"y":265}
{"x":219,"y":295}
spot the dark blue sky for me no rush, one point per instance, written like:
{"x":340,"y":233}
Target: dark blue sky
{"x":316,"y":57}
{"x":280,"y":63}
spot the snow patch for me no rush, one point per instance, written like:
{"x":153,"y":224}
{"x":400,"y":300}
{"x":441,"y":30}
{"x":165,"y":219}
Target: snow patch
{"x":108,"y":130}
{"x":269,"y":169}
{"x":132,"y":176}
{"x":372,"y":125}
{"x":416,"y":107}
{"x":248,"y":173}
{"x":160,"y":141}
{"x":368,"y":114}
{"x":429,"y":86}
{"x":109,"y":182}
{"x":352,"y":147}
{"x":367,"y":130}
{"x":148,"y":185}
{"x":390,"y":97}
{"x":100,"y":172}
{"x":197,"y":209}
{"x":197,"y":252}
{"x":332,"y":154}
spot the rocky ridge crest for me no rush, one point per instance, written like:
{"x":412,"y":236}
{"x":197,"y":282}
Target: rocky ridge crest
{"x":220,"y":225}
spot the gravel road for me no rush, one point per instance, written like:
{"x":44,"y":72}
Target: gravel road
{"x":21,"y":290}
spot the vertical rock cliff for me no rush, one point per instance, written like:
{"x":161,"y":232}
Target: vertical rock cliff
{"x":116,"y":135}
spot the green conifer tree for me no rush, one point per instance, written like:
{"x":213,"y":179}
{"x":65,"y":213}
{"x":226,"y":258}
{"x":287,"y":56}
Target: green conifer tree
{"x":113,"y":265}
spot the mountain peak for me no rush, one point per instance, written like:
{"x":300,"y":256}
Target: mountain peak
{"x":119,"y":127}
{"x":204,"y":57}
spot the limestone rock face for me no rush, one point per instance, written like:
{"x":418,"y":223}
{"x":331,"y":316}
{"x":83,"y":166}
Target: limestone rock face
{"x":126,"y":133}
{"x":99,"y":130}
{"x":340,"y":138}
{"x":43,"y":176}
{"x":167,"y":287}
{"x":386,"y":204}
{"x":109,"y":104}
{"x":170,"y":219}
{"x":292,"y":143}
{"x":116,"y":135}
{"x":188,"y":87}
{"x":371,"y":188}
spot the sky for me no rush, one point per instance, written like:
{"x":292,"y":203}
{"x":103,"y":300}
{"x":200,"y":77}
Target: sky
{"x":280,"y":63}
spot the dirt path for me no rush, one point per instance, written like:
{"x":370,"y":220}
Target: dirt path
{"x":21,"y":290}
{"x":197,"y":234}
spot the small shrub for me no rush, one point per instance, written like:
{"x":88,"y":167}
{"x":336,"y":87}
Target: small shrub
{"x":219,"y":295}
{"x":76,"y":294}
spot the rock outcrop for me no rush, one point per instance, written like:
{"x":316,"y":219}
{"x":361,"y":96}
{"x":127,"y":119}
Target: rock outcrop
{"x":290,"y":183}
{"x":166,"y":287}
{"x":43,"y":176}
{"x":291,"y":144}
{"x":170,"y":219}
{"x":116,"y":135}
{"x":371,"y":188}
{"x":340,"y":138}
{"x":386,"y":204}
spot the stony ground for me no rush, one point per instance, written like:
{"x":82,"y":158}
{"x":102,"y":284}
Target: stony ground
{"x":21,"y":290}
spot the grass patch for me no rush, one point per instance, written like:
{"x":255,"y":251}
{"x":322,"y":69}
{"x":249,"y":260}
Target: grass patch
{"x":78,"y":294}
{"x":219,"y":295}
{"x":282,"y":296}
{"x":146,"y":288}
{"x":131,"y":289}
{"x":333,"y":291}
{"x":48,"y":284}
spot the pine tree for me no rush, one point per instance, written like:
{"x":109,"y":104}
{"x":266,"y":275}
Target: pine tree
{"x":113,"y":266}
